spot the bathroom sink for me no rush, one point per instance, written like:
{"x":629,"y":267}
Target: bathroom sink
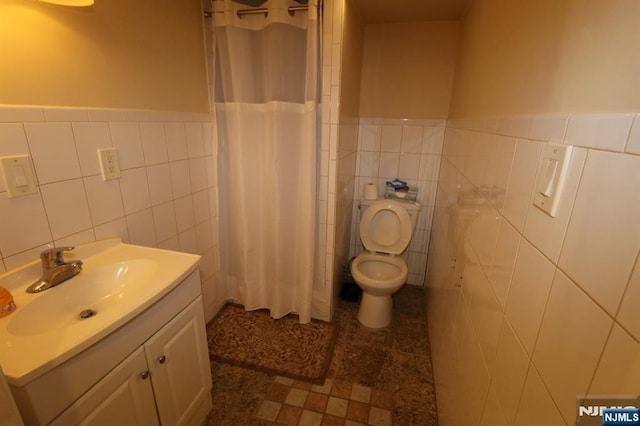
{"x":117,"y":282}
{"x":91,"y":293}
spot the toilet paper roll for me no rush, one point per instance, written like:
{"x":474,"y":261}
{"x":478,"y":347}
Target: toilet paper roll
{"x":370,"y":191}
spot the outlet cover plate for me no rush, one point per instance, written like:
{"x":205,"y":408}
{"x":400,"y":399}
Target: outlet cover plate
{"x":109,"y":163}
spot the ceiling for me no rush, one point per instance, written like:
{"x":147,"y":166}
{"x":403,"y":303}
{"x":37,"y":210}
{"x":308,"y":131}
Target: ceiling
{"x":385,"y":11}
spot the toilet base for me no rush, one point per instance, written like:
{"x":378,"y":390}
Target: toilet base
{"x":375,"y":311}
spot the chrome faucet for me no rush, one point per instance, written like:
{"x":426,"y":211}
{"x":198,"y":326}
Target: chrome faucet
{"x":54,"y":269}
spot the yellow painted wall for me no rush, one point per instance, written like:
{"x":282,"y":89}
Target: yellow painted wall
{"x":138,"y":54}
{"x":408,"y":69}
{"x":352,"y":48}
{"x":519,"y":57}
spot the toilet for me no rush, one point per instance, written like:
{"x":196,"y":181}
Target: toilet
{"x":386,"y":228}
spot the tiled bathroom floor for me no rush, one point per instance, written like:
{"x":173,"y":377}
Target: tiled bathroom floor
{"x":377,"y":377}
{"x":298,"y":403}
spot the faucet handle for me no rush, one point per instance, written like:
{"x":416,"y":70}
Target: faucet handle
{"x":52,"y":256}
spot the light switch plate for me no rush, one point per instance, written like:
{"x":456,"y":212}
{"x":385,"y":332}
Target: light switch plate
{"x":109,"y":163}
{"x":17,"y":175}
{"x":552,"y":173}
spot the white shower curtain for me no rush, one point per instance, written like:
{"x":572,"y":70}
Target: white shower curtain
{"x":266,"y":89}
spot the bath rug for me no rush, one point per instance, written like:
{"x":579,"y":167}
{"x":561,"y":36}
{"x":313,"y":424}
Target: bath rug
{"x":277,"y":346}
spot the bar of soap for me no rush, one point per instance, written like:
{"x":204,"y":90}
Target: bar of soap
{"x":6,"y":302}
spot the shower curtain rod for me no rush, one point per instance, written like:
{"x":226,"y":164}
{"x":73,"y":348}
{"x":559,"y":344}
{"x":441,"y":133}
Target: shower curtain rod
{"x":291,"y":9}
{"x":241,"y":12}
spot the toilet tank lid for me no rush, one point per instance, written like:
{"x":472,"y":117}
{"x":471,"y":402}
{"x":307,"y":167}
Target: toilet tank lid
{"x":407,"y":205}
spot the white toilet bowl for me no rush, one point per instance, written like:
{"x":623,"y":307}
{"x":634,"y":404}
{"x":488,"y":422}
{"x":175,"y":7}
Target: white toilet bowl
{"x":379,"y":276}
{"x":386,"y":227}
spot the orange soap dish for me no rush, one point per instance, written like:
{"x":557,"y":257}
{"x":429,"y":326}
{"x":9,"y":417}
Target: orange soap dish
{"x":7,"y":304}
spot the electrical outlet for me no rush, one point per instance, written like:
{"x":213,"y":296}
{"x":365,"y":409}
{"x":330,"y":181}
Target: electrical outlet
{"x":109,"y":163}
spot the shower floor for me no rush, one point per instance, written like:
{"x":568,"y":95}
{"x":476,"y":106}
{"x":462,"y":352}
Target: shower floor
{"x":377,"y":377}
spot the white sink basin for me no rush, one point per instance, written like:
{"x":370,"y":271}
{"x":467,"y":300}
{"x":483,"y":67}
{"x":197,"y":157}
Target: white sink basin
{"x":97,"y":291}
{"x":117,"y":282}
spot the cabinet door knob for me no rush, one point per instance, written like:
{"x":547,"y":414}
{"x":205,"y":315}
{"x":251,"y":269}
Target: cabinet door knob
{"x":162,"y":359}
{"x":144,"y":375}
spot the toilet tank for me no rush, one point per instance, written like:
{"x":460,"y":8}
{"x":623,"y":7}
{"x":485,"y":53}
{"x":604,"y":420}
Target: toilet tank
{"x":411,"y":207}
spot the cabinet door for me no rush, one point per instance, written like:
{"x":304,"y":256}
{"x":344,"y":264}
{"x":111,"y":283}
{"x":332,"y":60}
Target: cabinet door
{"x":178,"y":359}
{"x":124,"y":397}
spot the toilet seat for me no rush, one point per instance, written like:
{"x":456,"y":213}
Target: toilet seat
{"x":386,"y":228}
{"x":386,"y":272}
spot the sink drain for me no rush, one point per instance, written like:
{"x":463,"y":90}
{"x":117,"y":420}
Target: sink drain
{"x":87,"y":313}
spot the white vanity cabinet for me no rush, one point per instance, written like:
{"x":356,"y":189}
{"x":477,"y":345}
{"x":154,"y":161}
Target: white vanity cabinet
{"x":178,"y":360}
{"x":123,"y":397}
{"x":9,"y":414}
{"x":154,"y":370}
{"x":173,"y":366}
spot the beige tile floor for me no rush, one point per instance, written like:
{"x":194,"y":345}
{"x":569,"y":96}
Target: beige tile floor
{"x":377,"y":377}
{"x":337,"y":402}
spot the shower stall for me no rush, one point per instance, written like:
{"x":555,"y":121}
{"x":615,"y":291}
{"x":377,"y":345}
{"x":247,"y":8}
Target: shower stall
{"x":265,"y":68}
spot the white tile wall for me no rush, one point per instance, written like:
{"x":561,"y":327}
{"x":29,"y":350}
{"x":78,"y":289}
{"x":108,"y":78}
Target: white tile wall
{"x":135,"y":190}
{"x":24,"y":224}
{"x":89,"y":138}
{"x":528,"y":293}
{"x":67,"y":207}
{"x":521,"y":179}
{"x":566,"y":288}
{"x":510,"y":372}
{"x":487,"y":314}
{"x":629,"y":314}
{"x":573,"y":332}
{"x":633,"y":144}
{"x":185,"y":219}
{"x":483,"y":233}
{"x":180,"y":179}
{"x":549,"y":127}
{"x":603,"y":238}
{"x":536,"y":405}
{"x":163,"y":187}
{"x":164,"y":219}
{"x":619,"y":368}
{"x":142,"y":228}
{"x":194,"y":139}
{"x":492,"y":415}
{"x":603,"y":131}
{"x":504,"y":259}
{"x":154,"y":143}
{"x":104,"y":198}
{"x":53,"y":140}
{"x":126,"y":139}
{"x":159,"y":178}
{"x":175,"y":134}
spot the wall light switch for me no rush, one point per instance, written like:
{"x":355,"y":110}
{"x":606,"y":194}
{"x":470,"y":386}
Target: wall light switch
{"x":552,"y":173}
{"x":109,"y":163}
{"x":17,"y":175}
